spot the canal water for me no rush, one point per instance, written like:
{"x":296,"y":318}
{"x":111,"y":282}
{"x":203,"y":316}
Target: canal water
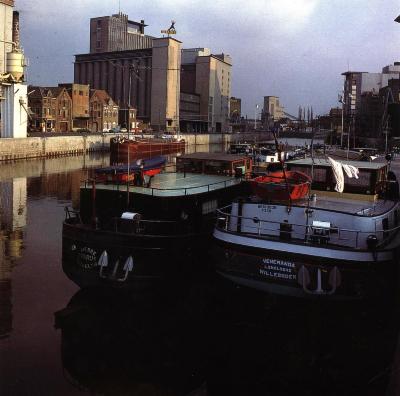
{"x":203,"y":336}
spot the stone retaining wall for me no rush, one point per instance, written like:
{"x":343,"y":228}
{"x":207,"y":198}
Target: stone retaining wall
{"x":34,"y":147}
{"x":52,"y":146}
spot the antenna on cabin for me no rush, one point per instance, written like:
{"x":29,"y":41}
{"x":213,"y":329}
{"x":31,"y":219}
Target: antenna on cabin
{"x":171,"y":30}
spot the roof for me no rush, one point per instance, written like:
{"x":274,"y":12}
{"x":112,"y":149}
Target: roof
{"x":35,"y":92}
{"x":213,"y":157}
{"x":102,"y":95}
{"x":325,"y":162}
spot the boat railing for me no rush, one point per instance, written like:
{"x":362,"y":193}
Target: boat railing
{"x":131,"y":226}
{"x":150,"y":227}
{"x":307,"y":233}
{"x":154,"y":191}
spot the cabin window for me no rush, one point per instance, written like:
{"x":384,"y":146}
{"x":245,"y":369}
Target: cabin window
{"x":285,"y":230}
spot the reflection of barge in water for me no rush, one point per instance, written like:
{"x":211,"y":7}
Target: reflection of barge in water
{"x":327,"y":244}
{"x":142,"y":148}
{"x":141,"y":235}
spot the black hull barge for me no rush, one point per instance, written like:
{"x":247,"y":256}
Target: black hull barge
{"x":124,"y":234}
{"x":327,"y":245}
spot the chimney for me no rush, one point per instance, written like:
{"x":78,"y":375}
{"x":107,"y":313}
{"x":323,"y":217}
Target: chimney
{"x":15,"y":30}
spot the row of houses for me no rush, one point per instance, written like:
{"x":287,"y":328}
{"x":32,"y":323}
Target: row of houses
{"x":75,"y":107}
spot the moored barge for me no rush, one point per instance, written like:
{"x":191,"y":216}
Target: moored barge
{"x":331,"y":244}
{"x":122,"y":148}
{"x":125,"y":233}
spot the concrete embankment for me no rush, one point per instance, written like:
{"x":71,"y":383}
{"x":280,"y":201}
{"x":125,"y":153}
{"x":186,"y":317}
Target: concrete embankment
{"x":53,"y":146}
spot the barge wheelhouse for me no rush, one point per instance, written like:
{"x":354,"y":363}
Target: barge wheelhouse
{"x":342,"y":245}
{"x":142,"y":231}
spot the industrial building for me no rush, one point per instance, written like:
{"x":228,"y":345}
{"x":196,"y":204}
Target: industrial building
{"x":205,"y":76}
{"x":13,"y":91}
{"x":138,"y":71}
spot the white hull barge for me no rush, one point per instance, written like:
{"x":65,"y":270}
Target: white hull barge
{"x":327,"y":244}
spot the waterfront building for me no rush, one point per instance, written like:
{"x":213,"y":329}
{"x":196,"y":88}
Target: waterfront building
{"x":50,"y":109}
{"x":103,"y":111}
{"x":79,"y":94}
{"x":141,"y":74}
{"x":13,"y":91}
{"x":43,"y":104}
{"x":63,"y":109}
{"x":209,"y":76}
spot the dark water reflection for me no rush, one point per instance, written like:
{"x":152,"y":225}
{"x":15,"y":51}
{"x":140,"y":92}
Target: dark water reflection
{"x":201,"y":336}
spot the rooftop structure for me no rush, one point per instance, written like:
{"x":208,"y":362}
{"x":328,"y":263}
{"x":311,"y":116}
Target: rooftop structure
{"x":117,"y":33}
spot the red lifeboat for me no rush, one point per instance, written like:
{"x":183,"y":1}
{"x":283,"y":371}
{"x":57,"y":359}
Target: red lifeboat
{"x":274,"y":186}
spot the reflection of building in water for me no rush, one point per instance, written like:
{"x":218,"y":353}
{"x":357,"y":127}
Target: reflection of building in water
{"x":13,"y":204}
{"x":63,"y":186}
{"x":13,"y":199}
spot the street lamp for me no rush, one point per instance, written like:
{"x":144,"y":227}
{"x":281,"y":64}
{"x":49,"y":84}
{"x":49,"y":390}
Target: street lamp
{"x":255,"y":116}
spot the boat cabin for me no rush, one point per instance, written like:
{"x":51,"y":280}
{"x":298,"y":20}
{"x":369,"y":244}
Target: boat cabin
{"x":241,"y":148}
{"x":371,"y":178}
{"x":214,"y":163}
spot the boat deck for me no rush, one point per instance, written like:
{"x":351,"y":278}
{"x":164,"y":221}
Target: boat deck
{"x":355,"y":204}
{"x":175,"y":184}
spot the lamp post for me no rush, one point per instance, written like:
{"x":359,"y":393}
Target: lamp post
{"x":255,"y":116}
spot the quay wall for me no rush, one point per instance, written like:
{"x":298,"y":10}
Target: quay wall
{"x":36,"y":147}
{"x":54,"y":146}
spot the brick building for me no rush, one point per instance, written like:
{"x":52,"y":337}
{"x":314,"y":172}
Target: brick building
{"x":103,"y":111}
{"x":43,"y":105}
{"x":79,"y":94}
{"x":63,"y":109}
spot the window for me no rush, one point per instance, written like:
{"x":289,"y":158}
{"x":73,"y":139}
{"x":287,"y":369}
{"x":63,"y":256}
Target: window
{"x":80,"y":93}
{"x":285,"y":230}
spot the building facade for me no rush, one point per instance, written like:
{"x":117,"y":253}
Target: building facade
{"x":208,"y":76}
{"x":272,"y":109}
{"x":50,"y":109}
{"x":63,"y":110}
{"x":235,"y":109}
{"x":117,"y":33}
{"x":43,"y":105}
{"x":125,"y":75}
{"x":165,"y":83}
{"x":362,"y":107}
{"x":103,"y":111}
{"x":79,"y":94}
{"x":6,"y":21}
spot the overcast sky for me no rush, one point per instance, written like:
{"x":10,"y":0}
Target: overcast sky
{"x":294,"y":49}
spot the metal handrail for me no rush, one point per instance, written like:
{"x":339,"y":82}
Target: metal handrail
{"x":339,"y":231}
{"x":231,"y":181}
